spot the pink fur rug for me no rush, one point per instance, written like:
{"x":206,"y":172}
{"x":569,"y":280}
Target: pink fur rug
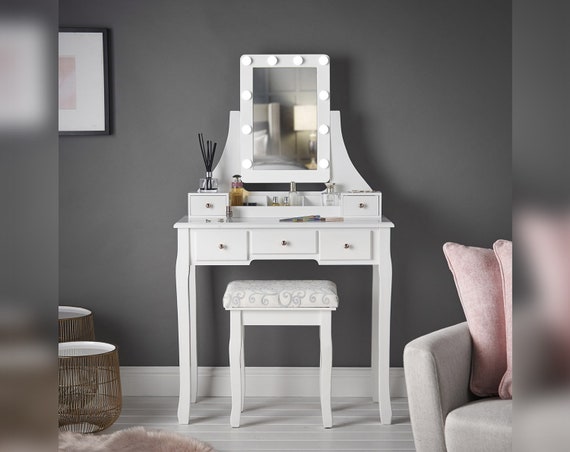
{"x":135,"y":439}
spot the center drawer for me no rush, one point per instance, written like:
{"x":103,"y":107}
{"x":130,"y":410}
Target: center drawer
{"x":216,"y":245}
{"x":283,"y":241}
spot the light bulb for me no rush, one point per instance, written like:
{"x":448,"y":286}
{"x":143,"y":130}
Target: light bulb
{"x":323,"y":60}
{"x":246,"y":60}
{"x":272,"y":60}
{"x":246,"y":95}
{"x":298,"y":60}
{"x":247,"y":163}
{"x":246,"y":130}
{"x":323,"y":129}
{"x":324,"y":95}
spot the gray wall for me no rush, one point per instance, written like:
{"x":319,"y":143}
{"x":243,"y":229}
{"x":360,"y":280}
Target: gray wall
{"x":424,"y":89}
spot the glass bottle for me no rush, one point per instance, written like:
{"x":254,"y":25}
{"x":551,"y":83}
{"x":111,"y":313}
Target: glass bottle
{"x":236,"y":192}
{"x":275,"y":201}
{"x":329,"y":196}
{"x":286,"y":201}
{"x":295,"y":199}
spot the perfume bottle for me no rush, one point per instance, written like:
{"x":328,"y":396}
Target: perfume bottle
{"x":286,"y":201}
{"x":295,"y":199}
{"x":236,"y":192}
{"x":329,"y":196}
{"x":275,"y":201}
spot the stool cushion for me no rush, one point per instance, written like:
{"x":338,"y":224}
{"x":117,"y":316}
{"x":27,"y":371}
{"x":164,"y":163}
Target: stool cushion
{"x":255,"y":294}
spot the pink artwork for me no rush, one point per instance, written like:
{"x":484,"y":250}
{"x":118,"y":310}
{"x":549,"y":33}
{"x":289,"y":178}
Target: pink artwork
{"x":67,"y":83}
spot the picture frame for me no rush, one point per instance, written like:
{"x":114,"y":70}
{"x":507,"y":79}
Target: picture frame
{"x":83,"y":96}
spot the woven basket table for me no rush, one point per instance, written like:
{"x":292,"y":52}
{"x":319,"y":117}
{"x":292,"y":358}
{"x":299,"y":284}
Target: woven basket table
{"x":75,"y":324}
{"x":89,"y":386}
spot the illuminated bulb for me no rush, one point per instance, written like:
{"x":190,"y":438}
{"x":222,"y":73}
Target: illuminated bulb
{"x":324,"y":95}
{"x":246,"y":95}
{"x":246,"y":60}
{"x":324,"y":163}
{"x":247,"y":163}
{"x":323,"y":129}
{"x":323,"y":60}
{"x":298,"y":60}
{"x":246,"y":130}
{"x":272,"y":60}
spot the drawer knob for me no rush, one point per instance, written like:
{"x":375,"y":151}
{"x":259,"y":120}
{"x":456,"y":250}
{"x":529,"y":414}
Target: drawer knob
{"x":346,"y":246}
{"x":284,"y":243}
{"x":362,"y":205}
{"x":209,"y":205}
{"x":221,"y":246}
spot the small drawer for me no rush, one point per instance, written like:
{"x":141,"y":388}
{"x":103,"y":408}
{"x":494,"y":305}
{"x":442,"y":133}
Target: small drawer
{"x":221,"y":245}
{"x":345,"y":244}
{"x":283,"y":241}
{"x":359,"y":205}
{"x":207,"y":204}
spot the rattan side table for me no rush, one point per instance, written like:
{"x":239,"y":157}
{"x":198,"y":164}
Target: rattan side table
{"x":75,"y":324}
{"x":90,"y":397}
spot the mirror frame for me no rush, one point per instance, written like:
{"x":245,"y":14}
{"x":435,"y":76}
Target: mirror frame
{"x":322,"y":64}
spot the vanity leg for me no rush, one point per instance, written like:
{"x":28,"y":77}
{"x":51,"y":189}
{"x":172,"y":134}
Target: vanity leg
{"x":374,"y":338}
{"x":193,"y":338}
{"x":182,"y":300}
{"x":384,"y":275}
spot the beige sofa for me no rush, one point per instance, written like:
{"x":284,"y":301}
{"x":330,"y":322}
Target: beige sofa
{"x":445,"y":415}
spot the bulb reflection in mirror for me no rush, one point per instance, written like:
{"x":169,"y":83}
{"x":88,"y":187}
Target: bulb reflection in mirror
{"x":324,"y":163}
{"x":246,"y":130}
{"x":272,"y":60}
{"x":246,"y":60}
{"x":323,"y":60}
{"x":298,"y":60}
{"x":323,"y":129}
{"x":324,"y":95}
{"x":246,"y":95}
{"x":247,"y":163}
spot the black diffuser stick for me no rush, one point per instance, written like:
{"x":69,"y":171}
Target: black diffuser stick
{"x":208,"y":150}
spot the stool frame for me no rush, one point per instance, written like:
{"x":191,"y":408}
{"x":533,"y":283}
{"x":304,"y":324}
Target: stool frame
{"x":241,"y":317}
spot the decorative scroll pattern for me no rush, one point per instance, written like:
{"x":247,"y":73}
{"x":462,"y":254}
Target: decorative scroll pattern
{"x":281,"y":294}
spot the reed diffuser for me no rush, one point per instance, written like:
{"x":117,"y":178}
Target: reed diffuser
{"x":208,"y":149}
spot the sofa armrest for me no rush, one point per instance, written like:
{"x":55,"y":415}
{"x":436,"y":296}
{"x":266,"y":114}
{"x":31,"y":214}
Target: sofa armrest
{"x":437,"y":368}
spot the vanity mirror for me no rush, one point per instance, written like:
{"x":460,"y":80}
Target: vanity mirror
{"x":285,"y":118}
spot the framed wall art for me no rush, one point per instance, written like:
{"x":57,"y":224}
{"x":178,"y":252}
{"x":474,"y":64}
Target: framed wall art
{"x":83,"y":81}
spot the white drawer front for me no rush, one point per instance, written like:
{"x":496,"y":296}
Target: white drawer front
{"x":345,"y":244}
{"x":283,"y":241}
{"x":204,"y":205}
{"x":361,"y":205}
{"x":221,"y":245}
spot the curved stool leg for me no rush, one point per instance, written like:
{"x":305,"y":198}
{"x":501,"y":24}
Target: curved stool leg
{"x":235,"y":368}
{"x":326,"y":368}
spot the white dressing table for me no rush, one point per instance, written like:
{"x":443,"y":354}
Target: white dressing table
{"x":207,"y":237}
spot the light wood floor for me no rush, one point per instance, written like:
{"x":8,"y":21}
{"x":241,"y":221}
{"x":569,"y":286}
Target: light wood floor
{"x":276,"y":423}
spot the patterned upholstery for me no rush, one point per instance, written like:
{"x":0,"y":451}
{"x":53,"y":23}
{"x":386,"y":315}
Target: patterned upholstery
{"x":255,"y":294}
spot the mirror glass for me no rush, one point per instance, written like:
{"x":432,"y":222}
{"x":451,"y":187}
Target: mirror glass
{"x":284,"y":118}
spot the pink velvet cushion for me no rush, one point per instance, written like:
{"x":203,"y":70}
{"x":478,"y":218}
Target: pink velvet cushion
{"x":504,"y":252}
{"x":478,"y":281}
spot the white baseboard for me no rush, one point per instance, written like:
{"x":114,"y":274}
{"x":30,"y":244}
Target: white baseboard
{"x":261,"y":381}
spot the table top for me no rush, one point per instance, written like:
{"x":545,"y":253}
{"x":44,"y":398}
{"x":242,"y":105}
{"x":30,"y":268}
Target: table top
{"x":240,"y":223}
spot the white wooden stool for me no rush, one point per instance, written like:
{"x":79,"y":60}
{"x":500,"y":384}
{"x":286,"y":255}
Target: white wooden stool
{"x":282,"y":302}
